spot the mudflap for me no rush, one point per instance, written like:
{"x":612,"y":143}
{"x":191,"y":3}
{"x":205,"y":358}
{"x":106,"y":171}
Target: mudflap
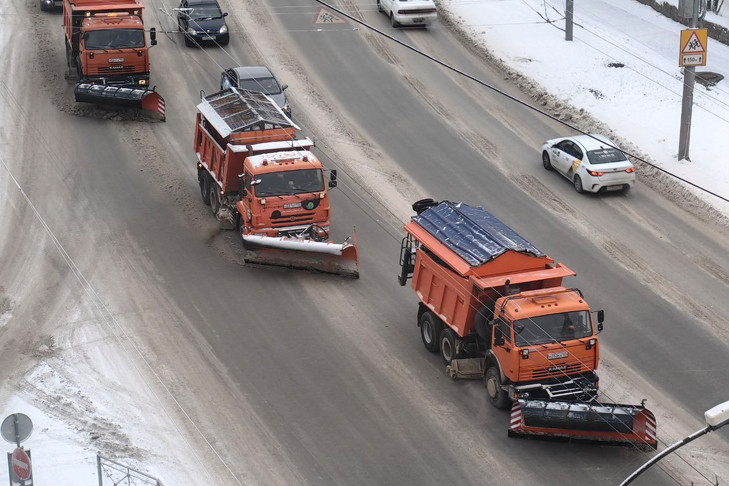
{"x":144,"y":98}
{"x":303,"y":254}
{"x":601,"y":423}
{"x":466,"y":368}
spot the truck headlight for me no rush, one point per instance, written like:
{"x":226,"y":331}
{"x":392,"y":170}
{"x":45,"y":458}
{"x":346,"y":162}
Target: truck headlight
{"x":142,"y":81}
{"x":224,"y":29}
{"x":191,"y":31}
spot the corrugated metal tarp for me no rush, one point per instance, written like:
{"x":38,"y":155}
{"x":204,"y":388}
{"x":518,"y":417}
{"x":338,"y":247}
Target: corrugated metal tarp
{"x":472,"y":233}
{"x":238,"y":110}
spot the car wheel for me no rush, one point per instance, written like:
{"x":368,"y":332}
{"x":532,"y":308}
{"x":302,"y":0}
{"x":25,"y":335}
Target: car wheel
{"x":545,"y":161}
{"x":498,"y":397}
{"x":379,"y":6}
{"x":578,"y":184}
{"x":188,"y":41}
{"x":43,"y":5}
{"x":626,"y":188}
{"x":394,"y":22}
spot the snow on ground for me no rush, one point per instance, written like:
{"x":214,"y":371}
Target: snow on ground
{"x":622,"y":68}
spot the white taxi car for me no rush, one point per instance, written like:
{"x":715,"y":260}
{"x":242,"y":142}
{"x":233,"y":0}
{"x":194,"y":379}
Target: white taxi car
{"x":591,"y":162}
{"x":408,"y":12}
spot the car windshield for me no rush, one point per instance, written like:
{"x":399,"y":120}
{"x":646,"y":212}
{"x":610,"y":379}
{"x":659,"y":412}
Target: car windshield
{"x":205,"y":12}
{"x":114,"y":39}
{"x":605,"y":156}
{"x":288,"y":182}
{"x":552,"y":328}
{"x":268,"y":86}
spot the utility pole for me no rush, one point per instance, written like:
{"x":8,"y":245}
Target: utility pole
{"x":568,"y":20}
{"x":689,"y":78}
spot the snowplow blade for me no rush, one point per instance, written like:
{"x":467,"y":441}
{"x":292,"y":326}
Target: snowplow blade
{"x":144,"y":98}
{"x":304,"y":254}
{"x":610,"y":424}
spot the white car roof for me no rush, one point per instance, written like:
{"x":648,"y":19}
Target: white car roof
{"x":590,"y":143}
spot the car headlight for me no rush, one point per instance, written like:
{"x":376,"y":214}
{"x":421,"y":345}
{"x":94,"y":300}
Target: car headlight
{"x":224,"y":29}
{"x":286,"y":108}
{"x":191,"y":31}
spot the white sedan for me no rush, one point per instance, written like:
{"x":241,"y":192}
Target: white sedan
{"x":408,"y":12}
{"x":591,"y":162}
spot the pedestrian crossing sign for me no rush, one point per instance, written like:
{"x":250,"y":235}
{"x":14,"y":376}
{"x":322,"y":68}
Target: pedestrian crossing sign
{"x":693,"y":47}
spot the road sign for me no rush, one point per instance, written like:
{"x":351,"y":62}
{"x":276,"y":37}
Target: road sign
{"x":23,"y":431}
{"x":693,"y":47}
{"x":21,"y":464}
{"x":324,"y":16}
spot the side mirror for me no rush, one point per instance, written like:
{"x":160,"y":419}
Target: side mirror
{"x":599,"y":327}
{"x":333,"y":178}
{"x":600,"y":316}
{"x":153,"y":36}
{"x":225,"y":14}
{"x":242,"y":186}
{"x":284,"y":86}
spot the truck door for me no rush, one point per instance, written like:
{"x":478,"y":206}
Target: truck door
{"x":502,"y":346}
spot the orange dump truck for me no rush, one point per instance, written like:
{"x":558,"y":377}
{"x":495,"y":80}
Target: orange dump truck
{"x":494,"y":307}
{"x":258,"y":178}
{"x":107,"y":49}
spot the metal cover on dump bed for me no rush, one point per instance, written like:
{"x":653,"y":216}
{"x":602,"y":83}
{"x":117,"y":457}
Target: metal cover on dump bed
{"x":472,"y":233}
{"x":240,"y":110}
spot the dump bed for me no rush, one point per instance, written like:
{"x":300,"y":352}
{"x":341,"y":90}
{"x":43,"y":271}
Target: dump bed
{"x":100,"y":4}
{"x":467,"y":257}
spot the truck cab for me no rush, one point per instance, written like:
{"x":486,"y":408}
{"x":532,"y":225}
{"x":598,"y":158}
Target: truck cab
{"x":545,"y":344}
{"x":113,"y":50}
{"x":284,"y":194}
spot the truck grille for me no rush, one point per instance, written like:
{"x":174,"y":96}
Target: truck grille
{"x":109,"y":70}
{"x":287,"y":221}
{"x":553,"y":371}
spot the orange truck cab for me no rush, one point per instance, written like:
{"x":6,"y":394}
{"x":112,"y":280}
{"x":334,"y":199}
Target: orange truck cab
{"x":105,"y":42}
{"x":494,"y":306}
{"x":253,"y":172}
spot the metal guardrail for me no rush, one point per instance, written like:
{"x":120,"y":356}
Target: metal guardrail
{"x":114,"y":473}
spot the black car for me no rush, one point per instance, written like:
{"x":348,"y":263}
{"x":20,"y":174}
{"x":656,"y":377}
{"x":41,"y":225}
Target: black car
{"x":202,"y":21}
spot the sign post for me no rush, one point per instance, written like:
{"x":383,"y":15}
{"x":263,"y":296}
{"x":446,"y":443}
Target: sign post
{"x":692,"y":53}
{"x":15,"y":429}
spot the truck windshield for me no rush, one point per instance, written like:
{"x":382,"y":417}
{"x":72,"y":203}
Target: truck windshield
{"x":114,"y":39}
{"x":288,"y":182}
{"x":552,"y":328}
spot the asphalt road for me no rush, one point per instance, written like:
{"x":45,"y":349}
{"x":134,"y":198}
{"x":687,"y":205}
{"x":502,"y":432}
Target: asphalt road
{"x":302,"y":378}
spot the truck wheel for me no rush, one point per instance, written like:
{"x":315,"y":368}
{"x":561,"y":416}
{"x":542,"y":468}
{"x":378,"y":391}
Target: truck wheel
{"x":214,"y":197}
{"x":447,"y":345}
{"x":430,"y":328}
{"x":499,"y":398}
{"x":545,"y":161}
{"x":204,"y":182}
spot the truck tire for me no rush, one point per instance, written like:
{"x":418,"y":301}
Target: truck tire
{"x":498,"y":397}
{"x":447,"y":344}
{"x":214,"y":197}
{"x":204,"y":181}
{"x":430,"y":328}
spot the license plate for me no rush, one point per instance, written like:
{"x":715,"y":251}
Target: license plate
{"x":615,"y":188}
{"x":418,"y":20}
{"x":209,"y":37}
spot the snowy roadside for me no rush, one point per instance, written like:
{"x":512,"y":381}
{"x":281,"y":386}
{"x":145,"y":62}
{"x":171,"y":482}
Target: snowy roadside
{"x":619,"y":77}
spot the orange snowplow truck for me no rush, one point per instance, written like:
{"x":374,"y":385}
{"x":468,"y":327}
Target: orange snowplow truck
{"x":494,"y":307}
{"x":258,"y":178}
{"x":107,"y":49}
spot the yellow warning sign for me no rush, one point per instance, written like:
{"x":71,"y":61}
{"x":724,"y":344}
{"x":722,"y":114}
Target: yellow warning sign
{"x":693,"y":47}
{"x":324,"y":16}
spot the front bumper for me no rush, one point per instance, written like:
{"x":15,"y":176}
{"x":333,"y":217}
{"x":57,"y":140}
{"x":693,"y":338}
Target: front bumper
{"x":582,"y":387}
{"x":121,"y":81}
